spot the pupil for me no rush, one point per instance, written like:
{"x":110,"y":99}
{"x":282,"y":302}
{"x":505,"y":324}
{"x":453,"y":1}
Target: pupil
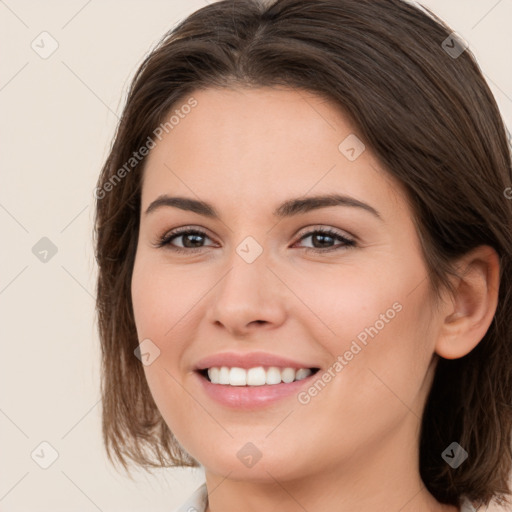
{"x":320,"y":236}
{"x":196,"y":237}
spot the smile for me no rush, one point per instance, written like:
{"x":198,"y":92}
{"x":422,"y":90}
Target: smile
{"x":256,"y":376}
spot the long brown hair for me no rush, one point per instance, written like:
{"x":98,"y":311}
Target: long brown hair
{"x":431,"y":120}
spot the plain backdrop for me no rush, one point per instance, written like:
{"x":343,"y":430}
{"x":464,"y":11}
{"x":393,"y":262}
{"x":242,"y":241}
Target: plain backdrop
{"x":58,"y":115}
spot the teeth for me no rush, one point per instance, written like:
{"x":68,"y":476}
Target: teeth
{"x":258,"y":376}
{"x":273,"y":376}
{"x":288,"y":375}
{"x":223,"y":375}
{"x":255,"y":376}
{"x":237,"y":377}
{"x":302,"y":373}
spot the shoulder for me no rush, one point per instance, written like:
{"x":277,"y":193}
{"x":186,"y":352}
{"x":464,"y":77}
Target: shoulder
{"x":466,"y":505}
{"x":196,"y":502}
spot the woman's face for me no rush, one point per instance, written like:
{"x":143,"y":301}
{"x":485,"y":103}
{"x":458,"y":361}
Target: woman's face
{"x":263,"y":281}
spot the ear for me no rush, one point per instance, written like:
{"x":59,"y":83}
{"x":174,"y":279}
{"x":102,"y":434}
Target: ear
{"x":469,"y":312}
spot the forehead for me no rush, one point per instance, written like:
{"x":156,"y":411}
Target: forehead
{"x":262,"y":145}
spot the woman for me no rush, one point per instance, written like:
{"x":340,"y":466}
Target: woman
{"x":303,"y":234}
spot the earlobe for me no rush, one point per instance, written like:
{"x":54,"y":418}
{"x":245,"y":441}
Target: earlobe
{"x":473,"y":305}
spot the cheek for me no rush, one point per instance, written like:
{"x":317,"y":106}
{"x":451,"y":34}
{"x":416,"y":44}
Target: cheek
{"x":382,"y":303}
{"x":378,"y":322}
{"x":156,"y":310}
{"x":165,"y":305}
{"x":163,"y":298}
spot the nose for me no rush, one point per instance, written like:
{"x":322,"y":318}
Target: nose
{"x":248,"y":298}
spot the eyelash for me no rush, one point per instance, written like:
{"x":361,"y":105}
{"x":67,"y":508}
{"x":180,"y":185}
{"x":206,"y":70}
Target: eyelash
{"x":166,"y":239}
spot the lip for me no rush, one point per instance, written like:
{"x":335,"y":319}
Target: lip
{"x":247,"y":398}
{"x":250,"y":360}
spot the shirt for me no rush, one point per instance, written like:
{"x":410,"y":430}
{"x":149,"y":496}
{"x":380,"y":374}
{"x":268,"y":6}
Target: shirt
{"x":198,"y":501}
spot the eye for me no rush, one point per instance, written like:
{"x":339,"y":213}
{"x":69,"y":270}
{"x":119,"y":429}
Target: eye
{"x":321,"y":239}
{"x":192,"y":240}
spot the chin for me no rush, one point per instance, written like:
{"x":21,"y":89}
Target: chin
{"x":252,"y":464}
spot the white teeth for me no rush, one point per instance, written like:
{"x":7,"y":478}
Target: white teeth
{"x":223,"y":375}
{"x":288,"y":375}
{"x":213,"y":373}
{"x":273,"y":375}
{"x":302,"y":373}
{"x":257,"y":376}
{"x":237,"y":377}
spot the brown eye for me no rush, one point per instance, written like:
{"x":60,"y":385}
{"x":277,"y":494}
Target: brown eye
{"x":322,"y":238}
{"x":191,"y":240}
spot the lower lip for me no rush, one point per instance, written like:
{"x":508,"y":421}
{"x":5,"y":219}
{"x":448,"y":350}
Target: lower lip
{"x":251,"y":397}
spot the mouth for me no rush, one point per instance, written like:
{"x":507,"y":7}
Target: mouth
{"x":256,"y":376}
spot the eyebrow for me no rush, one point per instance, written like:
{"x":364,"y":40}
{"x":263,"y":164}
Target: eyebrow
{"x":289,"y":208}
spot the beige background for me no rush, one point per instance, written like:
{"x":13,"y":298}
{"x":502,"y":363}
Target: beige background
{"x":57,"y":118}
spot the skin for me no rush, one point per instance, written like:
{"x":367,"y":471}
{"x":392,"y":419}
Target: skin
{"x":246,"y":151}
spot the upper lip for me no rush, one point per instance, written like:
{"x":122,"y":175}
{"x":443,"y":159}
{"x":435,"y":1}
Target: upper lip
{"x":249,"y":360}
